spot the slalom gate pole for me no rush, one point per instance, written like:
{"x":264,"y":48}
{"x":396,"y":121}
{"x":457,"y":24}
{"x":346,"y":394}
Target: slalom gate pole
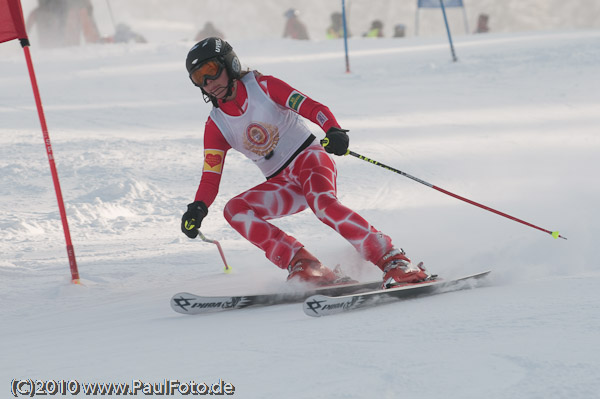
{"x":59,"y":197}
{"x":345,"y":35}
{"x":554,"y":234}
{"x":454,"y":59}
{"x":203,"y":238}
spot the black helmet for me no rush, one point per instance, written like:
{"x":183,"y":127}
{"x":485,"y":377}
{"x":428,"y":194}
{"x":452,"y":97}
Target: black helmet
{"x":214,"y":48}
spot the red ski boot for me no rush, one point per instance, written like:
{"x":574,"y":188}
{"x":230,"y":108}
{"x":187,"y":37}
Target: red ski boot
{"x":398,"y":269}
{"x":305,"y":268}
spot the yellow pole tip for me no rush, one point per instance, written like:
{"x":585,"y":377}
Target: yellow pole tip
{"x":555,"y":234}
{"x":227,"y":269}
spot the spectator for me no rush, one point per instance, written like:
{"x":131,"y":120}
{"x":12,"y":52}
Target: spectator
{"x":80,"y":22}
{"x":63,"y":22}
{"x":376,"y":29}
{"x":294,"y":28}
{"x":399,"y":30}
{"x":482,"y":24}
{"x":208,"y":30}
{"x":124,"y":34}
{"x":48,"y":18}
{"x":336,"y":29}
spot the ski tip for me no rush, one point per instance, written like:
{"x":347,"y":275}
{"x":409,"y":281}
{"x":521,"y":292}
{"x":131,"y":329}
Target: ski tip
{"x":312,"y":305}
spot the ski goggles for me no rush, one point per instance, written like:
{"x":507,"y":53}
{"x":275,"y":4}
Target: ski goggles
{"x":209,"y":70}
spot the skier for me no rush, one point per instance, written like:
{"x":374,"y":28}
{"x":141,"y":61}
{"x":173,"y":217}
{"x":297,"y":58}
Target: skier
{"x":259,"y":116}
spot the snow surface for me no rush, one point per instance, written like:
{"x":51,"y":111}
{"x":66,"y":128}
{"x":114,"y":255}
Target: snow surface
{"x":513,"y":125}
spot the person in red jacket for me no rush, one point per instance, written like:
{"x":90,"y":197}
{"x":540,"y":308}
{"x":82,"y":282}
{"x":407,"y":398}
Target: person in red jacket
{"x":261,"y":117}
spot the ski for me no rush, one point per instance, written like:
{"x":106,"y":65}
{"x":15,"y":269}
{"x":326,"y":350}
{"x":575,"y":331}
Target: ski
{"x":190,"y":304}
{"x":325,"y":305}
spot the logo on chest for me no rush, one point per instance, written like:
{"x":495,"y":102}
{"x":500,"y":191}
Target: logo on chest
{"x":261,"y":138}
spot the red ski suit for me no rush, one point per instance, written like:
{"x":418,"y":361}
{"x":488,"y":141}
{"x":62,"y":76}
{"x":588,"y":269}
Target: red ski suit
{"x":307,"y":177}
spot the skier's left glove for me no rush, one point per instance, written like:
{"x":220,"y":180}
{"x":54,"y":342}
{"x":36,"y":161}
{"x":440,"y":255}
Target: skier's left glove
{"x":336,"y":141}
{"x":192,"y":218}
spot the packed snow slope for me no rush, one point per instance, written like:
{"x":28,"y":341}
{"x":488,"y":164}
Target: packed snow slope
{"x":513,"y":124}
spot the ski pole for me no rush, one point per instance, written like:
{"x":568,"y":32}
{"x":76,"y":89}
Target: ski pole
{"x":554,"y":234}
{"x":203,"y":238}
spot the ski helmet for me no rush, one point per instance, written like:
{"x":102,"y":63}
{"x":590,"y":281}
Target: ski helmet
{"x":214,"y":48}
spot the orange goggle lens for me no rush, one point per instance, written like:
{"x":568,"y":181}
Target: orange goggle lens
{"x":208,"y":70}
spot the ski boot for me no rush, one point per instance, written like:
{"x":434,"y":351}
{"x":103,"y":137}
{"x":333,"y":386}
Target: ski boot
{"x":305,"y":268}
{"x":399,"y":270}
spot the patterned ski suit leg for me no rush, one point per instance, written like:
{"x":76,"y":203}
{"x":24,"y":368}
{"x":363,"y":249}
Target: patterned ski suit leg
{"x":248,"y":213}
{"x":309,"y":181}
{"x":316,"y":172}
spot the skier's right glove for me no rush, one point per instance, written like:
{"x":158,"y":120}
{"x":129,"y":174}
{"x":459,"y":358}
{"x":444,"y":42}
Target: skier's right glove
{"x":192,"y":218}
{"x":336,"y":141}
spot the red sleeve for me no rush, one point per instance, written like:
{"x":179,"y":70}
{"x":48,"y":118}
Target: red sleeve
{"x":215,"y":149}
{"x":288,"y":97}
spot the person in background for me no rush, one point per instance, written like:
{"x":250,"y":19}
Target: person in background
{"x":48,"y":18}
{"x":80,"y":22}
{"x":262,"y":117}
{"x":376,"y":29}
{"x":294,"y":28}
{"x":208,"y":30}
{"x":63,"y":23}
{"x":124,"y":34}
{"x":399,"y":30}
{"x":336,"y":29}
{"x":482,"y":23}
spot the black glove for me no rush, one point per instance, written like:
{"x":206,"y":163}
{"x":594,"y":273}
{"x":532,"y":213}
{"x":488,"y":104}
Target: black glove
{"x":336,"y":141}
{"x":192,"y":219}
